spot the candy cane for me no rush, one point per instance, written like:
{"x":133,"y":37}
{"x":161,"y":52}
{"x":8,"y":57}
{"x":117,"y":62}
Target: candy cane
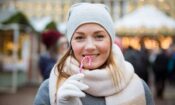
{"x":89,"y":58}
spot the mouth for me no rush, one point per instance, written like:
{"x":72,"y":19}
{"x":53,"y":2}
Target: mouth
{"x":91,"y":55}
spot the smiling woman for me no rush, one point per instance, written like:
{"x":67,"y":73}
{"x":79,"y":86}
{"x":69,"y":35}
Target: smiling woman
{"x":109,"y":80}
{"x":91,"y":40}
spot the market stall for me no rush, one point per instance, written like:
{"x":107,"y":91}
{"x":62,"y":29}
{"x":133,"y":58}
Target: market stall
{"x":149,"y":23}
{"x":16,"y":52}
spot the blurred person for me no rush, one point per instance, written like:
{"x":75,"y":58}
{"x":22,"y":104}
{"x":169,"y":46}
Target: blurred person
{"x":160,"y":66}
{"x":48,"y":59}
{"x":93,"y":71}
{"x":139,"y":60}
{"x":152,"y":55}
{"x":171,"y":65}
{"x":62,"y":46}
{"x":144,"y":56}
{"x":132,"y":56}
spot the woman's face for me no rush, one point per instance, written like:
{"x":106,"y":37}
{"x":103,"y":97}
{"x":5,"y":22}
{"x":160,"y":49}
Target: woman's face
{"x":91,"y":40}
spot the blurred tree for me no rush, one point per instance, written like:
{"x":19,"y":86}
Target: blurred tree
{"x":52,"y":25}
{"x":20,"y":19}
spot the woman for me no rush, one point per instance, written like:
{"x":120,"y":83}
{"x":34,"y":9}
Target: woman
{"x":107,"y":80}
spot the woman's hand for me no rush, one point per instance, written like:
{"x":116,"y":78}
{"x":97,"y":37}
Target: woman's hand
{"x":71,"y":90}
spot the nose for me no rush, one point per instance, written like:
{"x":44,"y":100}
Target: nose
{"x":90,"y":45}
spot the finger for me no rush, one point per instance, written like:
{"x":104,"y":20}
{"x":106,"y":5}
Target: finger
{"x":70,"y":90}
{"x":69,"y":87}
{"x":72,"y":93}
{"x":79,"y":84}
{"x":77,"y":77}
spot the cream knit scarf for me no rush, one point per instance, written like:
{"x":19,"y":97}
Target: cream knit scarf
{"x":130,"y":91}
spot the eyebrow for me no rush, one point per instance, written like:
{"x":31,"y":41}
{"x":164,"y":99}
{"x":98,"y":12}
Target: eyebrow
{"x":82,"y":33}
{"x":99,"y":31}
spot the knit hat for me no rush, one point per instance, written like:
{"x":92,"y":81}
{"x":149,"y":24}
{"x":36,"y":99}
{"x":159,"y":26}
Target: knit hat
{"x":50,"y":37}
{"x":82,"y":13}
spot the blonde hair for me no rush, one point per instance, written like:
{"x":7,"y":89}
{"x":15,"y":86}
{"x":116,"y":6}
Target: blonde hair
{"x":114,"y":70}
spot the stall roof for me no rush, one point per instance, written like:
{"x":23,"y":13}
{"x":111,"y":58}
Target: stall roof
{"x":39,"y":24}
{"x":148,"y":17}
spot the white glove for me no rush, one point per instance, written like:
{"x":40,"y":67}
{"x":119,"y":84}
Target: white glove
{"x":71,"y":90}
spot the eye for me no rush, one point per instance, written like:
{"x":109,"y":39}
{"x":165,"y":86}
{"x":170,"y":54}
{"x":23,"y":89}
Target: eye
{"x":99,"y":37}
{"x":79,"y":38}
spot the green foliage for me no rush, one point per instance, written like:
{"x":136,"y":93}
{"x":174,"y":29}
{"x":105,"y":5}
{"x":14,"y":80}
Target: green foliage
{"x":19,"y":18}
{"x":52,"y":25}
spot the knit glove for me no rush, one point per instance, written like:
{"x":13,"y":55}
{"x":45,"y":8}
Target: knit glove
{"x":71,"y":90}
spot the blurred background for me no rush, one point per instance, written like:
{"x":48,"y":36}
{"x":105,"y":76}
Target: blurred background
{"x":145,"y":32}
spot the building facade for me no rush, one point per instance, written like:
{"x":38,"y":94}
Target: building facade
{"x":57,"y":9}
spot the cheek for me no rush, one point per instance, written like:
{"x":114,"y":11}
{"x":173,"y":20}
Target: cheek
{"x":77,"y":51}
{"x":105,"y":48}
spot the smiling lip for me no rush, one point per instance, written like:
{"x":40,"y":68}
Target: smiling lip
{"x":91,"y":55}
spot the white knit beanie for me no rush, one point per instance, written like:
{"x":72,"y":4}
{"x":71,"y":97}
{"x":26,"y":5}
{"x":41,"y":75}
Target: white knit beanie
{"x":82,"y":13}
